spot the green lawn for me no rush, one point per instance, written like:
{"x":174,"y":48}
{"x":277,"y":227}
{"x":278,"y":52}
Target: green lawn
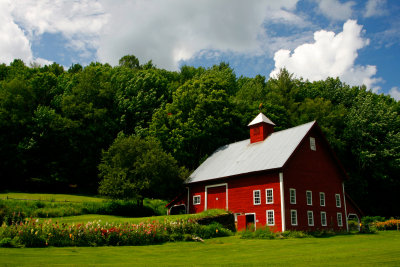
{"x":50,"y":197}
{"x":120,"y":219}
{"x":349,"y":250}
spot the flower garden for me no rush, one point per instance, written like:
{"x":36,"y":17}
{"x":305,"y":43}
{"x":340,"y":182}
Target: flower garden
{"x":33,"y":233}
{"x":392,"y":224}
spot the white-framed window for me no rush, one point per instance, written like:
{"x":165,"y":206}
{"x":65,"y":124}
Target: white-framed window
{"x":292,"y":193}
{"x":270,"y":217}
{"x":310,"y":218}
{"x":338,"y":202}
{"x":309,"y":197}
{"x":312,"y":144}
{"x":322,"y":199}
{"x":196,"y":200}
{"x":256,"y":197}
{"x":269,"y":195}
{"x":323,"y":218}
{"x":293,"y":217}
{"x":339,"y":219}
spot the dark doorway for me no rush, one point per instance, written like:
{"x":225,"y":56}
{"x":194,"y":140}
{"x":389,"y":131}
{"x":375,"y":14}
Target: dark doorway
{"x":178,"y":209}
{"x":250,"y":220}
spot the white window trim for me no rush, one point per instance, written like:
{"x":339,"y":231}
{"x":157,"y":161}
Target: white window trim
{"x":337,"y":197}
{"x":322,"y":222}
{"x":292,"y":190}
{"x":312,"y":217}
{"x":339,"y":222}
{"x":266,"y":195}
{"x":291,"y":217}
{"x":254,"y":197}
{"x":197,"y":203}
{"x":322,"y":194}
{"x":273,"y":217}
{"x":309,"y":191}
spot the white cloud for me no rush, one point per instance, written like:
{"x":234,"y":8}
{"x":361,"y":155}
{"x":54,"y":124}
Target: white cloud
{"x":375,"y":8}
{"x":395,"y":93}
{"x":335,"y":10}
{"x":330,"y":55}
{"x":79,"y":22}
{"x":13,"y":41}
{"x":170,"y":31}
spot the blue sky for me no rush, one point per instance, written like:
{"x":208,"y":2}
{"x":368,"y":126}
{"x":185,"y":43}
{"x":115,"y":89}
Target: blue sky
{"x":358,"y":41}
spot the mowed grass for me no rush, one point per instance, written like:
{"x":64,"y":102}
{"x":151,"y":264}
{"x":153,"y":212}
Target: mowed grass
{"x":51,"y":197}
{"x":382,"y":249}
{"x":120,"y":219}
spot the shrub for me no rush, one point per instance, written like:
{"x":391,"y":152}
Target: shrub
{"x":391,"y":224}
{"x":212,"y":230}
{"x":260,"y":233}
{"x":295,"y":234}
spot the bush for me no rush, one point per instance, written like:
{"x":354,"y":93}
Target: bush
{"x":295,"y":234}
{"x":392,"y":224}
{"x":212,"y":230}
{"x":260,"y":233}
{"x":353,"y":226}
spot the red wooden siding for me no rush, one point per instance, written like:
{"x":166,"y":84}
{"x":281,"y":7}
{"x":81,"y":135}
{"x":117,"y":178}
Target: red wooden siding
{"x":260,"y":131}
{"x":314,"y":171}
{"x":240,"y":196}
{"x":216,"y":197}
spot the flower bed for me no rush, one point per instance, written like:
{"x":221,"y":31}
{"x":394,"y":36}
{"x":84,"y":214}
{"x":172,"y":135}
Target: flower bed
{"x":392,"y":224}
{"x":33,"y":233}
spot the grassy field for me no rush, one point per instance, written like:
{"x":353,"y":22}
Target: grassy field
{"x":120,"y":219}
{"x":349,"y":250}
{"x":50,"y":197}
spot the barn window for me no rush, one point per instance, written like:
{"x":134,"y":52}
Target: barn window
{"x":309,"y":197}
{"x":293,"y":217}
{"x":312,"y":144}
{"x":270,"y":217}
{"x":323,"y":218}
{"x":310,"y":218}
{"x":256,"y":197}
{"x":269,"y":193}
{"x":338,"y":202}
{"x":292,"y":193}
{"x":339,"y":219}
{"x":196,"y":200}
{"x":322,"y":199}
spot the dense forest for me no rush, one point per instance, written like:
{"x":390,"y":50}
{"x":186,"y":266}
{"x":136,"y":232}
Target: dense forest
{"x":58,"y":127}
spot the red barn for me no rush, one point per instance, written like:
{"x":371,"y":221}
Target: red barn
{"x":288,"y":180}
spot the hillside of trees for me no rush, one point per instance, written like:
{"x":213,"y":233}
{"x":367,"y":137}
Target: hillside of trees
{"x":59,"y":127}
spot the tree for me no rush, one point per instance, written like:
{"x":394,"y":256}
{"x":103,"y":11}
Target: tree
{"x":200,"y":118}
{"x":134,"y":168}
{"x":129,"y":61}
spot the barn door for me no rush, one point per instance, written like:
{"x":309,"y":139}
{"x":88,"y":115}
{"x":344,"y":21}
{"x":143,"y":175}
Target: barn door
{"x":216,"y":197}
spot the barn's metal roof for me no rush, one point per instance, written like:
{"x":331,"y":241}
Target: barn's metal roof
{"x":260,"y":118}
{"x":244,"y":157}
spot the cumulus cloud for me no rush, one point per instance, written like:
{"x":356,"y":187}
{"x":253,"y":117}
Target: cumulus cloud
{"x":395,"y":93}
{"x":13,"y":42}
{"x":78,"y":21}
{"x":170,"y":31}
{"x":375,"y":8}
{"x":23,"y":22}
{"x":330,"y":55}
{"x":335,"y":10}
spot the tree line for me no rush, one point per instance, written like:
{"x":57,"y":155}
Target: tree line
{"x":80,"y":129}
